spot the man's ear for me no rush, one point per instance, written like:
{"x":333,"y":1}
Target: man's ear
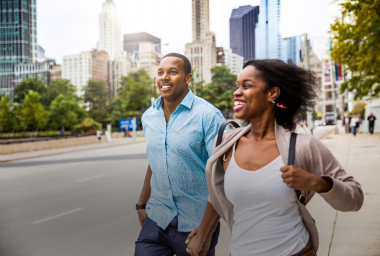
{"x":189,"y":78}
{"x":274,"y":93}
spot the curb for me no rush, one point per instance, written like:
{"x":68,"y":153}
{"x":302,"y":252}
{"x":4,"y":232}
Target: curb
{"x":59,"y":153}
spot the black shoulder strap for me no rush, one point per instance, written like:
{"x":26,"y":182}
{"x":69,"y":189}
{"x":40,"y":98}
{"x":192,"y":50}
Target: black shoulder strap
{"x":221,"y":131}
{"x":292,"y":153}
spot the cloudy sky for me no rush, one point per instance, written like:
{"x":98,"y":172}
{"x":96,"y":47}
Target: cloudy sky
{"x":72,"y":26}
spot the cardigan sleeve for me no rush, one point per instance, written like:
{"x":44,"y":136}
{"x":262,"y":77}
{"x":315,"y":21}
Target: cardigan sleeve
{"x":346,"y":193}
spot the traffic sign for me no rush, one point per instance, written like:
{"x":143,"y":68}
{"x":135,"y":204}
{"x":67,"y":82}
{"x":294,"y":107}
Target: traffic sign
{"x":127,"y":123}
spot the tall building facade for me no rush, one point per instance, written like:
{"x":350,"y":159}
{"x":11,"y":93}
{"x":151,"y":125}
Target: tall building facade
{"x":269,"y":42}
{"x":119,"y":67}
{"x":18,"y":43}
{"x":148,"y":58}
{"x":234,"y":61}
{"x":85,"y":66}
{"x":243,"y":22}
{"x":202,"y":51}
{"x":132,"y":41}
{"x":110,"y":30}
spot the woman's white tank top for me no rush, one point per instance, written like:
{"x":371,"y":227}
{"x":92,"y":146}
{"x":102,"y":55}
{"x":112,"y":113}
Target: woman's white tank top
{"x":267,"y":220}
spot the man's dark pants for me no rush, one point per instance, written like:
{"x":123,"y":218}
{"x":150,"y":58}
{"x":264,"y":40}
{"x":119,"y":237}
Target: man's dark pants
{"x":371,"y":126}
{"x":154,"y":241}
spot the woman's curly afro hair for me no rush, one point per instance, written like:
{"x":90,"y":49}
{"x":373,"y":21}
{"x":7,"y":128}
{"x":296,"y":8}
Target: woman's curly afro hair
{"x":298,"y":88}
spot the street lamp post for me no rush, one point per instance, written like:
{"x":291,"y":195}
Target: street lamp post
{"x":333,"y":90}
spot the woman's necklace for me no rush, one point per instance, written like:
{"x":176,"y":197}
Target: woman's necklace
{"x":184,"y":129}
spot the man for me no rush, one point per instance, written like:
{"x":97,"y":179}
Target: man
{"x":99,"y":135}
{"x":179,"y":129}
{"x":371,"y":119}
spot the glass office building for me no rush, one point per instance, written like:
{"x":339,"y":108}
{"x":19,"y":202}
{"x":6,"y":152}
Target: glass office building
{"x":243,"y":21}
{"x":18,"y":42}
{"x":269,"y":43}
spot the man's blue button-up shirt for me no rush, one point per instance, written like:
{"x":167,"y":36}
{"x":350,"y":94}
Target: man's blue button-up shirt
{"x":177,"y":155}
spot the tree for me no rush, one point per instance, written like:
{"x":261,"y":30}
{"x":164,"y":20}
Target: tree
{"x":136,"y":89}
{"x":22,"y":89}
{"x":65,"y":112}
{"x":88,"y":125}
{"x":359,"y":109}
{"x":357,"y":45}
{"x":57,"y":87}
{"x":96,"y":94}
{"x":33,"y":115}
{"x":118,"y":108}
{"x":7,"y":116}
{"x":220,"y":91}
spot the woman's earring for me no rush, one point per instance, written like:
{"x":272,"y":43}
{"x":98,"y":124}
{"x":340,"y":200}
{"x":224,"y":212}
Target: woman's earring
{"x":278,"y":105}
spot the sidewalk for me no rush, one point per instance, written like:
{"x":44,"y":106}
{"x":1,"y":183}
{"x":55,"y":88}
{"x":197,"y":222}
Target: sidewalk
{"x":349,"y":233}
{"x":57,"y":151}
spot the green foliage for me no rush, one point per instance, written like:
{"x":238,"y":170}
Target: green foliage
{"x":30,"y":84}
{"x":118,"y":108}
{"x":65,"y":112}
{"x":220,"y":91}
{"x":33,"y":115}
{"x":136,"y":90}
{"x":96,"y":95}
{"x":7,"y":116}
{"x":359,"y":109}
{"x":357,"y":45}
{"x":57,"y":87}
{"x":88,"y":125}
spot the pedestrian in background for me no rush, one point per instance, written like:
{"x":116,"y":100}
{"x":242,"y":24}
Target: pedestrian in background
{"x":359,"y":124}
{"x":179,"y":131}
{"x":353,"y":124}
{"x":371,"y":122}
{"x":99,"y":135}
{"x":347,"y":123}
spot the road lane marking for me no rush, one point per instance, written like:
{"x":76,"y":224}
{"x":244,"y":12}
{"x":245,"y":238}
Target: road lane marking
{"x":90,"y":178}
{"x":57,"y":216}
{"x":37,"y":171}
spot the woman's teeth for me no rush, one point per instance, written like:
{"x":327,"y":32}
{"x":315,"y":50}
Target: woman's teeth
{"x":165,"y":87}
{"x":239,"y":103}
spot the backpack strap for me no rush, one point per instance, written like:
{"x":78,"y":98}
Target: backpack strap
{"x":292,"y":154}
{"x":221,"y":131}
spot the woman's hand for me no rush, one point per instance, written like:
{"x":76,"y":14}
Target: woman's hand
{"x":299,"y":179}
{"x":195,"y":245}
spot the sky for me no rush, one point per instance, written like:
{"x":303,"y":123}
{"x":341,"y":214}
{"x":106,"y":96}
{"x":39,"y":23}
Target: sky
{"x":72,"y":26}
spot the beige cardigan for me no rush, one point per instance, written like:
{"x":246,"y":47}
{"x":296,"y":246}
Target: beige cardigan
{"x":311,"y":155}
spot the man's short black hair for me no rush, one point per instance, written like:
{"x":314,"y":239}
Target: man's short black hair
{"x":186,"y":62}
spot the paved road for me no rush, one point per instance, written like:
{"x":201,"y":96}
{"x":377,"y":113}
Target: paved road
{"x":72,"y":204}
{"x":78,"y":203}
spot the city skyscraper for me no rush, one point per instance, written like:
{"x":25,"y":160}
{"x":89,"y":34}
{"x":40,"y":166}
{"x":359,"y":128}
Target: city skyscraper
{"x":243,"y":22}
{"x":132,"y":41}
{"x":269,"y":42}
{"x":202,"y":51}
{"x":110,"y":30}
{"x":18,"y":42}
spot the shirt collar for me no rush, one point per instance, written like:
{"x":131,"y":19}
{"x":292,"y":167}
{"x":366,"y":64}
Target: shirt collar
{"x":187,"y":101}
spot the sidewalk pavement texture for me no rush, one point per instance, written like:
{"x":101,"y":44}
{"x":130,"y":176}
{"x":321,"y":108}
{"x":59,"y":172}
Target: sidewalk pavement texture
{"x":57,"y":151}
{"x":344,"y":233}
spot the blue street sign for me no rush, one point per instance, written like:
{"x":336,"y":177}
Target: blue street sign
{"x":127,"y":123}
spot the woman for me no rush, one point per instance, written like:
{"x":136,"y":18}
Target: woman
{"x":354,"y":124}
{"x":252,"y":188}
